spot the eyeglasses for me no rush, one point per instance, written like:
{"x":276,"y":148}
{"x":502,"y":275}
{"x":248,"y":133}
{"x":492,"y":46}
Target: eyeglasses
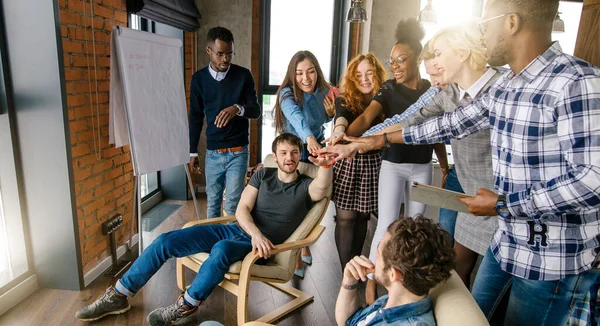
{"x":398,"y":61}
{"x":483,"y":24}
{"x":222,"y":55}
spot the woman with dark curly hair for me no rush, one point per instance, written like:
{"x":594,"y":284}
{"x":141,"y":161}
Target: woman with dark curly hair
{"x":413,"y":257}
{"x":401,"y":164}
{"x":355,"y":181}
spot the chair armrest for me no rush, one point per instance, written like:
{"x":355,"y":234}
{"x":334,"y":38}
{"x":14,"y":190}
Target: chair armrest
{"x":210,"y":221}
{"x":312,"y":237}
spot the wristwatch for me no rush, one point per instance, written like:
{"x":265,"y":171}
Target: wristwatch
{"x":386,"y":141}
{"x":501,"y":207}
{"x":240,"y":109}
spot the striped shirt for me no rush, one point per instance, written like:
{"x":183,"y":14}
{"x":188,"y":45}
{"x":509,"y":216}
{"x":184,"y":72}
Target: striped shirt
{"x":545,"y":137}
{"x":421,"y":102}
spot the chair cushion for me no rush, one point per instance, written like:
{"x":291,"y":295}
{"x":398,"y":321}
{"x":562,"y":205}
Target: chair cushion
{"x":282,"y":265}
{"x":270,"y":270}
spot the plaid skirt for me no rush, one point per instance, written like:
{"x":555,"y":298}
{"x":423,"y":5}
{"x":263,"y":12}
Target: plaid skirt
{"x":355,"y":183}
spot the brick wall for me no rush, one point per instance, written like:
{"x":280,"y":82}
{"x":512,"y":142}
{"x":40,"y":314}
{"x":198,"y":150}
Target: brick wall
{"x":103,"y":174}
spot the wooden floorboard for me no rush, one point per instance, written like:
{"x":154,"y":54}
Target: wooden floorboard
{"x":58,"y":307}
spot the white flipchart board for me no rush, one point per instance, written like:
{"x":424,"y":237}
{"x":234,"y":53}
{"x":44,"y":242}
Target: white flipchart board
{"x":147,"y":99}
{"x":147,"y":105}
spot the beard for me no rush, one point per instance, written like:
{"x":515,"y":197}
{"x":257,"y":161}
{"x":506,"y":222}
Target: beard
{"x":498,"y":55}
{"x":383,"y":280}
{"x":287,"y":169}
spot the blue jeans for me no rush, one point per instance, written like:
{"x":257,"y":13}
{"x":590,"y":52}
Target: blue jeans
{"x":531,"y":302}
{"x":225,"y":171}
{"x":447,"y":216}
{"x":305,"y":155}
{"x":226,"y":244}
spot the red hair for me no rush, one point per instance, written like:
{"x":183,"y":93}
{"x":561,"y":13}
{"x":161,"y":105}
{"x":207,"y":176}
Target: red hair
{"x":350,"y":93}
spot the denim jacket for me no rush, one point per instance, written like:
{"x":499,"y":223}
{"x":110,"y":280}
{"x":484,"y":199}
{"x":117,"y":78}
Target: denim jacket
{"x":304,"y":120}
{"x":413,"y":314}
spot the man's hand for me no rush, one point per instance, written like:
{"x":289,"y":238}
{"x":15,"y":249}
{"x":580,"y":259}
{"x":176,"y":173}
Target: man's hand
{"x":225,"y":116}
{"x":321,"y":160}
{"x":312,"y":145}
{"x":357,"y":144}
{"x":357,"y":269}
{"x":338,"y":152}
{"x":262,"y":246}
{"x":192,"y":165}
{"x":482,"y":204}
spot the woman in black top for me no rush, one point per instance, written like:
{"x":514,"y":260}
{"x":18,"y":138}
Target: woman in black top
{"x":355,"y":181}
{"x":401,"y":164}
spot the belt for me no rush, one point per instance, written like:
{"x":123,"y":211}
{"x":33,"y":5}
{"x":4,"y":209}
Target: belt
{"x":231,"y":150}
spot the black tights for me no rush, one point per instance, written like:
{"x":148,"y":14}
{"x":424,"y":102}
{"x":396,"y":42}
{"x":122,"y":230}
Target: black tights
{"x":350,"y":233}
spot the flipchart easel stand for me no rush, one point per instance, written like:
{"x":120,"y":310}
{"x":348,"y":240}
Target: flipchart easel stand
{"x":137,"y":200}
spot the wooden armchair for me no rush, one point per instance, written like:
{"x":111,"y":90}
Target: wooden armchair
{"x":280,"y":268}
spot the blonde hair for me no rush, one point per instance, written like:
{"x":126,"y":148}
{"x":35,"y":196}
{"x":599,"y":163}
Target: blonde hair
{"x":465,"y":37}
{"x":427,"y":53}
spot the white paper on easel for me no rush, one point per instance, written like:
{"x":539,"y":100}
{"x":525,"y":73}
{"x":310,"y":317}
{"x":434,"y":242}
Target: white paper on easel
{"x":438,"y":197}
{"x":147,"y":99}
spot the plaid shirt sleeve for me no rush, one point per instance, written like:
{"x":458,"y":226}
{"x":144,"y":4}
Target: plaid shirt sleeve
{"x":421,"y":102}
{"x":577,"y":114}
{"x":462,"y":122}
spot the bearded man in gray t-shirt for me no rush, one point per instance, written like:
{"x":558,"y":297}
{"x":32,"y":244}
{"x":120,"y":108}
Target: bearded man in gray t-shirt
{"x":270,"y":209}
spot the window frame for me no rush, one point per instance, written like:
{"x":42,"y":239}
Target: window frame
{"x":264,"y":88}
{"x":15,"y":198}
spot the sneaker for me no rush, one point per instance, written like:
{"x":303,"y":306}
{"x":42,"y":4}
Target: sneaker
{"x":168,"y":315}
{"x":110,"y":303}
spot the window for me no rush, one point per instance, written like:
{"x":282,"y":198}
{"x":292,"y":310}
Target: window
{"x":461,"y":11}
{"x":450,"y":13}
{"x":288,"y":27}
{"x":13,"y":252}
{"x":570,"y":13}
{"x":4,"y":262}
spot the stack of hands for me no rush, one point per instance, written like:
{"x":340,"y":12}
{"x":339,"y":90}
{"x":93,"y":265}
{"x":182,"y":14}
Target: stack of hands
{"x":342,"y":146}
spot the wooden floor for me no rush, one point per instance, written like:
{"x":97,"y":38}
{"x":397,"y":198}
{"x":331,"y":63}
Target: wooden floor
{"x":58,"y":307}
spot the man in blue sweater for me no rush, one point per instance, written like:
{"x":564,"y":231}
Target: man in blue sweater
{"x":224,"y":93}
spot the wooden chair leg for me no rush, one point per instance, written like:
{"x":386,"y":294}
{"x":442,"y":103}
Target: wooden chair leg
{"x":180,"y":271}
{"x":242,"y":297}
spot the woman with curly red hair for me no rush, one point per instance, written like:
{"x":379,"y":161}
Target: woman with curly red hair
{"x":355,"y":182}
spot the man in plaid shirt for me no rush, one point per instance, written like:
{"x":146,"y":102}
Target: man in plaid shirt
{"x":544,"y":116}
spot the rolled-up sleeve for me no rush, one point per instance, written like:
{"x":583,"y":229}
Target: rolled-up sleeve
{"x":293,"y":114}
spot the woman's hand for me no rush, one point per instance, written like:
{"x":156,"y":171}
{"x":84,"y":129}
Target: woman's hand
{"x":312,"y":144}
{"x":329,"y":105}
{"x":445,"y":172}
{"x":335,"y":137}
